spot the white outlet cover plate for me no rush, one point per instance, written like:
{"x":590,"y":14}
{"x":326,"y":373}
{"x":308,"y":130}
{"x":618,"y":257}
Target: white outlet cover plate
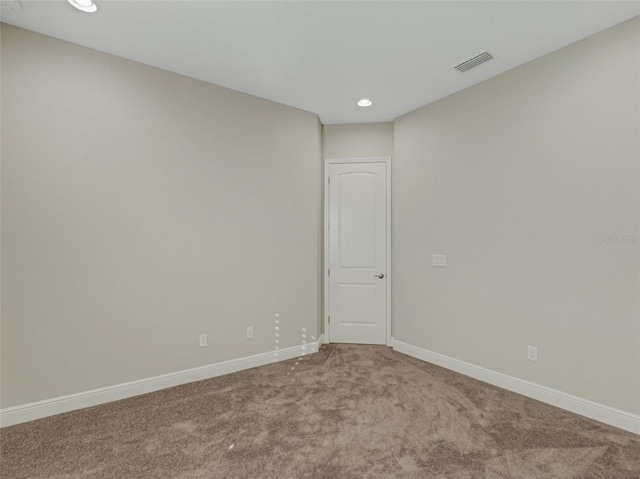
{"x":439,"y":260}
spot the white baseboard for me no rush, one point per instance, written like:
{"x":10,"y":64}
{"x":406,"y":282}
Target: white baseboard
{"x":584,"y":407}
{"x":51,"y":407}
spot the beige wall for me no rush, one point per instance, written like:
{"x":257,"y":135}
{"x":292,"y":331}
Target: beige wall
{"x":360,"y":140}
{"x":517,"y":180}
{"x":141,"y":208}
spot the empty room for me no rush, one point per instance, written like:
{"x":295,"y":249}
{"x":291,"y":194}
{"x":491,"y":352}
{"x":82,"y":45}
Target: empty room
{"x":319,"y":239}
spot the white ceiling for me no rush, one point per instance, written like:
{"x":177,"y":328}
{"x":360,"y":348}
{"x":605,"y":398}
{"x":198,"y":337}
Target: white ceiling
{"x":323,"y":56}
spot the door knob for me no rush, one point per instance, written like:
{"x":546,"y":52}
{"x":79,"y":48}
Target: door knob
{"x":379,"y":276}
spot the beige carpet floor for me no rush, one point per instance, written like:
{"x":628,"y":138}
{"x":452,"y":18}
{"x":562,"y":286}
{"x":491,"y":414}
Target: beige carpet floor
{"x":346,"y":412}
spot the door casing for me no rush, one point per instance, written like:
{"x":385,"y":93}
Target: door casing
{"x":325,"y":273}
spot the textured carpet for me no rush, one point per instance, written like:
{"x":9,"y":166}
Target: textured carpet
{"x":346,"y":412}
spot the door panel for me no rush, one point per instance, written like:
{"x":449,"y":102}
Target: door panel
{"x":357,"y":303}
{"x":357,"y":252}
{"x":356,"y":211}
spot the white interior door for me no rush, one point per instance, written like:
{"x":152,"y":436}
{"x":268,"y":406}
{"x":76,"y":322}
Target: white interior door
{"x":357,"y":236}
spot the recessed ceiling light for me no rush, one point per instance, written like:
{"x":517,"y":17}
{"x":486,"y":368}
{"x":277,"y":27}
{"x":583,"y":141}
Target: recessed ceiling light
{"x":365,"y":102}
{"x":84,"y":5}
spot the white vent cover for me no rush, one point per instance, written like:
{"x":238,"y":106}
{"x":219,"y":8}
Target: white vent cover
{"x":474,"y":62}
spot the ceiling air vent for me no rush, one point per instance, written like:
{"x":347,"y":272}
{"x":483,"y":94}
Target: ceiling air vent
{"x":474,"y":62}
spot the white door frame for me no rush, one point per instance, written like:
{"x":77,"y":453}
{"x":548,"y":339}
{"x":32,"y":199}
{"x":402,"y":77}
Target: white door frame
{"x":325,"y":273}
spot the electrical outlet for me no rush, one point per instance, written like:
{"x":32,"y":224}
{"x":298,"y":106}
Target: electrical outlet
{"x":203,"y":340}
{"x":250,"y":332}
{"x":532,"y":353}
